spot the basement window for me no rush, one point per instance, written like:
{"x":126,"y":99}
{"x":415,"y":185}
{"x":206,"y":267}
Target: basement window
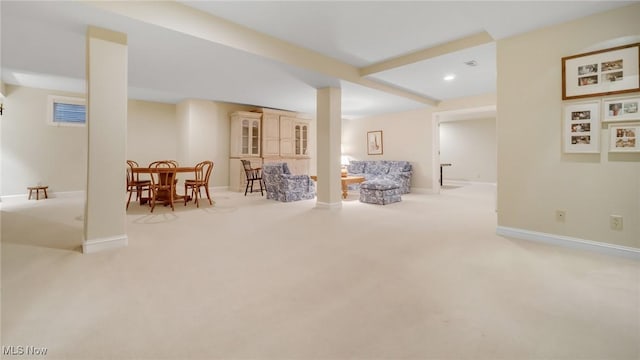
{"x":66,"y":111}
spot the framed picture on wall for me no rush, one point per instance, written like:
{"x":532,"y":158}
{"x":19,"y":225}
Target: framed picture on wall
{"x":603,"y":72}
{"x":622,"y":109}
{"x":581,"y":127}
{"x":624,"y":138}
{"x":374,"y":142}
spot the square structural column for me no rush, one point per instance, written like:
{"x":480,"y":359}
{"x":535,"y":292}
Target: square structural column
{"x":329,"y":139}
{"x":105,"y":212}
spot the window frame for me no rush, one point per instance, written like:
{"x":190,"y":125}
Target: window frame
{"x":53,"y":99}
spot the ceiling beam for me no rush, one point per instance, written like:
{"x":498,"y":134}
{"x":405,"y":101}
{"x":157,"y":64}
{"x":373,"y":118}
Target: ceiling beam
{"x":190,"y":21}
{"x":480,"y":38}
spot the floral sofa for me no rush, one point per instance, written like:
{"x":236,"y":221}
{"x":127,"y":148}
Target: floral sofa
{"x":393,"y":170}
{"x":281,"y":185}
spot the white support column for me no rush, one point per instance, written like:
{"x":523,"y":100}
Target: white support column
{"x":329,"y":135}
{"x":105,"y":213}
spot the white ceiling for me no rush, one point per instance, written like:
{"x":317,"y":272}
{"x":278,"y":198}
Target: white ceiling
{"x":43,"y":46}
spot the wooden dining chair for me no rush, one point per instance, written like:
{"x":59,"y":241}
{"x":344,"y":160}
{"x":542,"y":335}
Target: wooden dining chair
{"x":202,"y":174}
{"x":134,"y":184}
{"x":174,"y":162}
{"x":163,"y":177}
{"x":252,"y":174}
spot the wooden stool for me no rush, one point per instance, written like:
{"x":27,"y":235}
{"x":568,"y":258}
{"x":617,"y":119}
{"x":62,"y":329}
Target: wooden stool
{"x":37,"y":189}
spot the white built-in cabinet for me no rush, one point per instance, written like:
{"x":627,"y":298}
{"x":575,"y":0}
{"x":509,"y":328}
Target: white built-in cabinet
{"x":270,"y":135}
{"x":286,"y":136}
{"x":244,"y":145}
{"x":245,"y":134}
{"x":280,"y":136}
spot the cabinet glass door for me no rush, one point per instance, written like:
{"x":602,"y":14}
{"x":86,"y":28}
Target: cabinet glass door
{"x":298,"y":140}
{"x":255,"y":138}
{"x":304,"y":140}
{"x":245,"y":137}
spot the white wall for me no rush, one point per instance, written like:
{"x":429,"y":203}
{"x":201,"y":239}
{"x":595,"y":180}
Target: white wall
{"x":203,"y":134}
{"x":470,"y":146}
{"x":151,"y":131}
{"x":535,"y":177}
{"x":406,"y":136}
{"x":34,"y":152}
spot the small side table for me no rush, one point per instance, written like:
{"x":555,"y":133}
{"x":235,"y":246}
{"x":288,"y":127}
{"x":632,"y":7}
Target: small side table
{"x":345,"y":181}
{"x":37,"y":189}
{"x":441,"y":166}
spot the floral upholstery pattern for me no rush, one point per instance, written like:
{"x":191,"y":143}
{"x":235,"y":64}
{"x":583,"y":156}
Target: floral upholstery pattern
{"x":380,"y":192}
{"x":393,"y":170}
{"x":281,"y":185}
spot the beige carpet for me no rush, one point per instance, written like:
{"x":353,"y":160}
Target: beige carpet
{"x":250,"y":278}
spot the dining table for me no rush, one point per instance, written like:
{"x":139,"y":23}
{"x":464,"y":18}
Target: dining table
{"x":179,"y":169}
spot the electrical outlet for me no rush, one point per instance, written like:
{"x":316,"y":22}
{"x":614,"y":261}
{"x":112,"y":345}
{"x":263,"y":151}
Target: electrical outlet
{"x":560,"y":215}
{"x":615,"y":222}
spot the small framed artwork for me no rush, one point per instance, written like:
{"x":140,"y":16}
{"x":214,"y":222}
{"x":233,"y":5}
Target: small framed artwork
{"x":624,"y":138}
{"x":621,"y":109}
{"x":582,"y":127}
{"x":604,"y":72}
{"x":374,"y":142}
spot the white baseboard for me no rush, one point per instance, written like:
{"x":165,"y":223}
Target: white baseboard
{"x":96,"y":245}
{"x":13,"y":198}
{"x":467,"y":182}
{"x":420,"y":190}
{"x":328,"y":206}
{"x":218,"y":188}
{"x":570,"y":242}
{"x":50,"y":195}
{"x":69,"y":194}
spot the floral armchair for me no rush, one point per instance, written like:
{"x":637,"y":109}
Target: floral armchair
{"x":283,"y":186}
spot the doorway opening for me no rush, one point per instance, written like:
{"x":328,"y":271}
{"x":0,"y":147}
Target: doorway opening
{"x":467,"y":149}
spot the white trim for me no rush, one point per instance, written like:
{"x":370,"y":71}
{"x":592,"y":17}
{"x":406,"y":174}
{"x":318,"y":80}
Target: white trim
{"x":12,"y":198}
{"x":420,"y":190}
{"x":435,"y":149}
{"x":69,"y":194}
{"x":51,"y":195}
{"x":53,"y":99}
{"x":480,"y":112}
{"x":328,"y":206}
{"x":219,"y":188}
{"x":96,"y":245}
{"x":468,"y":182}
{"x":570,"y":242}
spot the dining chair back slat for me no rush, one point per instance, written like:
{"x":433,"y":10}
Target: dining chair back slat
{"x":163,"y":179}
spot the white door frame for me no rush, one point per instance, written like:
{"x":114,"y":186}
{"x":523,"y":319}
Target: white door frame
{"x":451,"y":115}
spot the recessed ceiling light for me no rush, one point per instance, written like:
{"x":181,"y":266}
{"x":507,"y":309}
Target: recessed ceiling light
{"x":449,"y":77}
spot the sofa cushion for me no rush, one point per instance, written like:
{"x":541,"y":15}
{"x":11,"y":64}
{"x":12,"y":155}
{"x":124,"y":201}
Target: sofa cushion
{"x":381,"y":184}
{"x":397,"y":167}
{"x":355,"y":167}
{"x":285,"y":168}
{"x":377,"y":168}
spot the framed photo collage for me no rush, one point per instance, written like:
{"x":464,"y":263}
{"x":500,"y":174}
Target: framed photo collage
{"x":596,"y":74}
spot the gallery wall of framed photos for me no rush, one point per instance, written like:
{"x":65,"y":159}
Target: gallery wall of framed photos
{"x":595,"y":77}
